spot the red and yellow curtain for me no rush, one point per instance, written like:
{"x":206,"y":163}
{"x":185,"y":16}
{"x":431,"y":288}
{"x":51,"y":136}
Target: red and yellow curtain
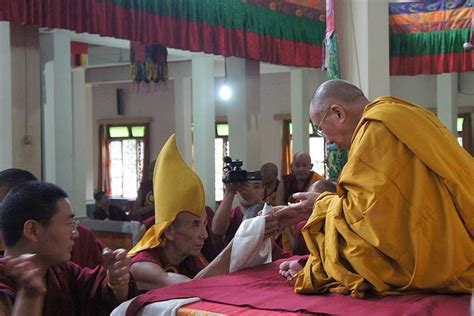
{"x":427,"y":37}
{"x":227,"y":28}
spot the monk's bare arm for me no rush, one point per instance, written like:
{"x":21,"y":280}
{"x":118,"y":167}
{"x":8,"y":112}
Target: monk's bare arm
{"x":280,"y":200}
{"x":150,"y":276}
{"x":220,"y":222}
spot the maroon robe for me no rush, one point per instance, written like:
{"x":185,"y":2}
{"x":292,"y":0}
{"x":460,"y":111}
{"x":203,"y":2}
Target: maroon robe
{"x":72,"y":291}
{"x":236,"y":218}
{"x":189,"y":267}
{"x":146,"y":191}
{"x":290,"y":185}
{"x":87,"y":250}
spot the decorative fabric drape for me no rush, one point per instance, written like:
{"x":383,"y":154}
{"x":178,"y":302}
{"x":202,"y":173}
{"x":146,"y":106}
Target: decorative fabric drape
{"x":312,"y":9}
{"x":286,"y":150}
{"x":146,"y":155}
{"x":428,"y":37}
{"x":227,"y":28}
{"x":336,"y":158}
{"x":148,"y":63}
{"x":79,"y":53}
{"x":103,"y":179}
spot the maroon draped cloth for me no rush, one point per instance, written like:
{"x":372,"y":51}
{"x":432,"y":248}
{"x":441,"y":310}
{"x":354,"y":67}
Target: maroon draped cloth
{"x":262,"y":287}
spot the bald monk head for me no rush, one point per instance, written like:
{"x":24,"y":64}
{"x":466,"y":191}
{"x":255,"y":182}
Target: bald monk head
{"x":301,"y":166}
{"x":322,"y":186}
{"x":336,"y":108}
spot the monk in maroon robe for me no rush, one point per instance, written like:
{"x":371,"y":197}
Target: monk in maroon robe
{"x":36,"y":278}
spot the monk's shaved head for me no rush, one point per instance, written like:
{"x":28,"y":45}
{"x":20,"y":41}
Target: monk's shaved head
{"x":336,"y":109}
{"x":299,"y":156}
{"x":336,"y":91}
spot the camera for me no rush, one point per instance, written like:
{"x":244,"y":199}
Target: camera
{"x":236,"y":174}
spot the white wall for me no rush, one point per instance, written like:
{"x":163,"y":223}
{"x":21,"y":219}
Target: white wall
{"x":422,"y":89}
{"x":152,"y":101}
{"x":157,"y":102}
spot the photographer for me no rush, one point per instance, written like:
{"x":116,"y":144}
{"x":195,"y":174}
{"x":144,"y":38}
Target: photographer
{"x":227,"y":220}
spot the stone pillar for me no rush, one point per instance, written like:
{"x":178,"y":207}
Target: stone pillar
{"x":243,"y":77}
{"x":63,"y":162}
{"x":80,"y":148}
{"x":6,"y":105}
{"x":183,"y":116}
{"x":204,"y":122}
{"x":364,"y":52}
{"x":20,"y":119}
{"x":299,"y":112}
{"x":446,"y":97}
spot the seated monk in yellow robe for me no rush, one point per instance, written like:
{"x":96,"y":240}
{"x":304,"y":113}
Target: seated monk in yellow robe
{"x":402,"y":219}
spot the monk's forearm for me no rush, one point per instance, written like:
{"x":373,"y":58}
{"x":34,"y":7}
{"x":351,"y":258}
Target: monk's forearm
{"x":28,"y":305}
{"x":221,"y":218}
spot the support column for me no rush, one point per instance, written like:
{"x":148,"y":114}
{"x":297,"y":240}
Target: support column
{"x":243,"y":77}
{"x":299,"y":113}
{"x":79,"y":141}
{"x":364,"y":58}
{"x":204,"y":122}
{"x":20,"y":119}
{"x":6,"y":143}
{"x":183,"y":116}
{"x":90,"y":128}
{"x":60,"y":156}
{"x":446,"y":94}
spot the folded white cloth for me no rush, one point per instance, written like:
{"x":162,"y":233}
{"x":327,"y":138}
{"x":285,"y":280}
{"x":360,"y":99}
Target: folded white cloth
{"x":248,"y":248}
{"x":163,"y":308}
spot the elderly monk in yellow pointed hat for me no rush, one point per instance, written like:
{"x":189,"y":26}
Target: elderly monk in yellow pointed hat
{"x":170,"y":251}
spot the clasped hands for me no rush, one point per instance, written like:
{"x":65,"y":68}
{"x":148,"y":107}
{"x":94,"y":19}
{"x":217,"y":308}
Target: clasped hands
{"x":286,"y":215}
{"x":117,"y":264}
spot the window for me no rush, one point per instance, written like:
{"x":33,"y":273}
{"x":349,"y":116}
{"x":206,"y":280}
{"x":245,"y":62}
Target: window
{"x":123,"y":158}
{"x":464,"y":130}
{"x":317,"y":148}
{"x":126,"y":147}
{"x":221,"y":146}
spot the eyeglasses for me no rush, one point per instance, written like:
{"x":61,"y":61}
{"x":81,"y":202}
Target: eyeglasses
{"x":73,"y":226}
{"x":319,"y":132}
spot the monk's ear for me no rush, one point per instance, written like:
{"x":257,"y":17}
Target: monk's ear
{"x":170,"y":232}
{"x":339,"y":111}
{"x":31,"y":229}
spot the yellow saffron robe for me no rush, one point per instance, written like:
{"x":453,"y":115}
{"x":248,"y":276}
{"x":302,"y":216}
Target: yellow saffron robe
{"x":403,"y":217}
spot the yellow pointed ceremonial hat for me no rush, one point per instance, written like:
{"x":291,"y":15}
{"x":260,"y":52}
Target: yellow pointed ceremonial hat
{"x":176,"y":188}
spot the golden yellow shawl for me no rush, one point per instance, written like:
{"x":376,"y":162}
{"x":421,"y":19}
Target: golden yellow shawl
{"x":403,"y":220}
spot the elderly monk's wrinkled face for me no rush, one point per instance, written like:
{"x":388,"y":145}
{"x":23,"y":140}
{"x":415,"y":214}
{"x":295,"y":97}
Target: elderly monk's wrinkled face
{"x":301,"y":167}
{"x":189,"y":233}
{"x":332,"y":121}
{"x":56,"y":239}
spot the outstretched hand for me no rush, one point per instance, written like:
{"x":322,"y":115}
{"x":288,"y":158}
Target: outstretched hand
{"x":271,"y":227}
{"x":305,"y":200}
{"x":293,"y":213}
{"x":27,"y":274}
{"x":117,"y":264}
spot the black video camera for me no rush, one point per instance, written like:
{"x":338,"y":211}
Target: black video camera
{"x":236,"y":174}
